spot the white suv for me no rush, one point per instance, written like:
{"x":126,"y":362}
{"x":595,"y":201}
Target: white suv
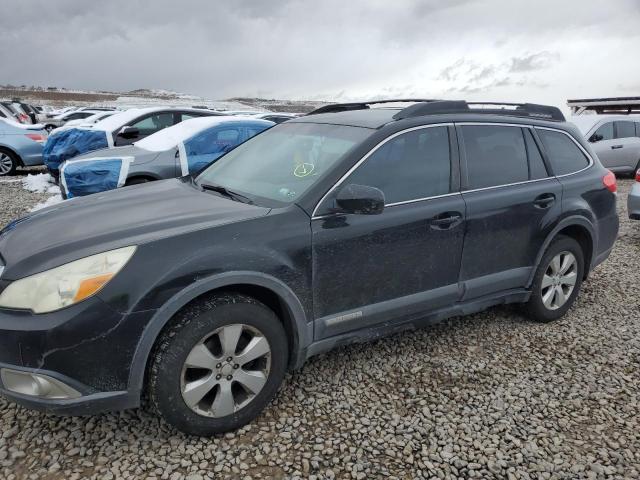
{"x":615,"y":138}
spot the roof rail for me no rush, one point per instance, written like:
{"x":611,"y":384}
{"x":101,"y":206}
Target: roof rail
{"x":528,"y":110}
{"x":343,"y":107}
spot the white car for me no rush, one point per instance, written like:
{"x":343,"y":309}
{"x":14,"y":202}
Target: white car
{"x":88,"y":121}
{"x":60,"y":120}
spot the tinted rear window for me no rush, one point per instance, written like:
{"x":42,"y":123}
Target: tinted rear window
{"x":564,"y":154}
{"x":496,"y":155}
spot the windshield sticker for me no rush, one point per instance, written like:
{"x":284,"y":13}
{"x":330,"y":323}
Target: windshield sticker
{"x":304,"y":169}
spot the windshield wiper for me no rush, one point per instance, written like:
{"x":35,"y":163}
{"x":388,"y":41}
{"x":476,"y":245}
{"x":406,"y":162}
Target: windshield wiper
{"x":226,"y":192}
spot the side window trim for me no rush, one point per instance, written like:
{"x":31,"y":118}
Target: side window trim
{"x":591,"y":162}
{"x":538,"y":142}
{"x":454,"y":168}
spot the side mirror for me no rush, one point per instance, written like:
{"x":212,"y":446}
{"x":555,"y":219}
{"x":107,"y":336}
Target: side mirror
{"x":129,"y":132}
{"x":595,"y":138}
{"x":360,"y":199}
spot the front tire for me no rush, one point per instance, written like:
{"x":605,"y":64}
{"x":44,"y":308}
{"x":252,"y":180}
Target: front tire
{"x":557,"y":281}
{"x":218,"y":365}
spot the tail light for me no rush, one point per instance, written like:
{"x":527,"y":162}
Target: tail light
{"x":24,"y":118}
{"x":638,"y":175}
{"x":609,"y":181}
{"x":36,"y":137}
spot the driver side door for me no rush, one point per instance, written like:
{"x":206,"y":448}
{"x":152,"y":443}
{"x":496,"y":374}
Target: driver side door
{"x":370,"y":269}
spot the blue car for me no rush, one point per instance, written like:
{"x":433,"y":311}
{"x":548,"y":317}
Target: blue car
{"x":20,"y":146}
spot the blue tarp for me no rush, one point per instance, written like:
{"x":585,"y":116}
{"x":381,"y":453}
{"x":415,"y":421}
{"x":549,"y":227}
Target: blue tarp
{"x":84,"y":177}
{"x":71,"y":143}
{"x":205,"y":147}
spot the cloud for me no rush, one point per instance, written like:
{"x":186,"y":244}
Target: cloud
{"x":531,"y":62}
{"x":330,"y":49}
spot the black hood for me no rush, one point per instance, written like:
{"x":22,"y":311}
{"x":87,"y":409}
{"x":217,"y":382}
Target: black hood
{"x":96,"y":223}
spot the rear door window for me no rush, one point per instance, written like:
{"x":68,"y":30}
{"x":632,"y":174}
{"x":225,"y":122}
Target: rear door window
{"x":496,"y":155}
{"x":625,"y":130}
{"x":565,"y":156}
{"x":412,"y":166}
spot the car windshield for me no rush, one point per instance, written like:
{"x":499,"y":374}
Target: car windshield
{"x":283,"y":162}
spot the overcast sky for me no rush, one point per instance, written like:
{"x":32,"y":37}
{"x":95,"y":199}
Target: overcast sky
{"x":538,"y":51}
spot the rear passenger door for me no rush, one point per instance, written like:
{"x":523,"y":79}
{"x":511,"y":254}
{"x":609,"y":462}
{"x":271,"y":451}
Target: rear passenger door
{"x":511,"y":204}
{"x":368,"y":269}
{"x":627,"y":145}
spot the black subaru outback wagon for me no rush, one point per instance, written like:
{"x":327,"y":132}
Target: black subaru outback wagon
{"x":340,"y":226}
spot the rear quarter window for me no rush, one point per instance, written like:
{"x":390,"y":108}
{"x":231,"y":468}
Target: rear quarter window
{"x":565,"y":156}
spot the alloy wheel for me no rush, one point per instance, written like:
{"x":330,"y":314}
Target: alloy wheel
{"x":6,"y":163}
{"x":559,"y":280}
{"x":225,"y":370}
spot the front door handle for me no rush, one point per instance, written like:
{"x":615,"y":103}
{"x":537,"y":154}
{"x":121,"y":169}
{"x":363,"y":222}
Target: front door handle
{"x":445,"y":221}
{"x":615,"y":147}
{"x":545,"y":200}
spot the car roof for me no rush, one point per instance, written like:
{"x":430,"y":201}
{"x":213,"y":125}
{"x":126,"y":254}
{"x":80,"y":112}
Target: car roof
{"x":120,"y":119}
{"x":367,"y":118}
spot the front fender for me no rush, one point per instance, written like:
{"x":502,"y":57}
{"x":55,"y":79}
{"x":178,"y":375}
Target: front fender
{"x":303,"y":329}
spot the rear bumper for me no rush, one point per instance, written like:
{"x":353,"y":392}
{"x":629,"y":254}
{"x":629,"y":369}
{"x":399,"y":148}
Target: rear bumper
{"x":633,"y":202}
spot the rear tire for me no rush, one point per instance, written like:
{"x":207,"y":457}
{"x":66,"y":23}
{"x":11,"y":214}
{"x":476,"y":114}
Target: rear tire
{"x":192,"y":383}
{"x":9,"y":161}
{"x":557,"y":281}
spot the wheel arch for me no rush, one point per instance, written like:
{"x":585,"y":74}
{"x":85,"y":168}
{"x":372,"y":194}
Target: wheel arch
{"x":143,"y":175}
{"x":269,"y":290}
{"x":580,"y":229}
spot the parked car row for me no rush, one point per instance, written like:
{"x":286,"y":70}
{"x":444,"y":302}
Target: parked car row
{"x":74,"y":131}
{"x":18,"y":111}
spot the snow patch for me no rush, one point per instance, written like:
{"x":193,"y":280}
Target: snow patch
{"x":40,"y":183}
{"x":48,"y":202}
{"x":170,"y":137}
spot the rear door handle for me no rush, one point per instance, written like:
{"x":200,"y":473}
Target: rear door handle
{"x":446,"y":220}
{"x":545,"y":200}
{"x":615,"y":147}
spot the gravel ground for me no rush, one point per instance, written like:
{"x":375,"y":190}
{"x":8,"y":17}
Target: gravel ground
{"x":488,"y":396}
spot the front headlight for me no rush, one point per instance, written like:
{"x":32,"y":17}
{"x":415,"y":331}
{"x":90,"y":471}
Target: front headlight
{"x":65,"y":285}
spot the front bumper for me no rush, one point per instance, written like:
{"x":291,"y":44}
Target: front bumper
{"x":88,"y":347}
{"x":89,"y":403}
{"x":633,"y":202}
